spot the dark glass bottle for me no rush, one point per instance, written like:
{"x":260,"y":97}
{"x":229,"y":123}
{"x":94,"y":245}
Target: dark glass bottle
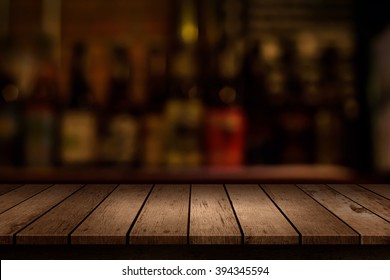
{"x":157,"y":94}
{"x":260,"y":142}
{"x":184,"y":108}
{"x":79,"y":120}
{"x":121,"y":137}
{"x":328,"y":118}
{"x":10,"y":111}
{"x":225,"y":119}
{"x":353,"y":115}
{"x":275,"y":96}
{"x":41,"y":109}
{"x":295,"y":121}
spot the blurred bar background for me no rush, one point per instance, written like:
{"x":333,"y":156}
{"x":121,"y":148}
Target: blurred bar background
{"x":150,"y":85}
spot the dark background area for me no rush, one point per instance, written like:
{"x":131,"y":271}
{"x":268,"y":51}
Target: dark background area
{"x":145,"y":86}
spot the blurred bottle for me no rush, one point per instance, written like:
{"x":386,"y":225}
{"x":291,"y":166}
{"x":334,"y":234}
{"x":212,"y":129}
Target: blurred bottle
{"x":295,"y":122}
{"x":79,"y":119}
{"x":184,"y":109}
{"x":309,"y":68}
{"x":225,"y":118}
{"x":274,"y":74}
{"x":121,"y":126}
{"x":157,"y":94}
{"x":40,"y":110}
{"x":274,"y":83}
{"x":260,"y":142}
{"x":226,"y":121}
{"x":379,"y":94}
{"x":314,"y":103}
{"x":353,"y":117}
{"x":328,"y":119}
{"x":10,"y":121}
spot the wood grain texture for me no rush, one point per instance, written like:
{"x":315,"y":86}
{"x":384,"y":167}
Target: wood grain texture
{"x":381,"y":189}
{"x":4,"y":188}
{"x":316,"y":224}
{"x":110,"y":222}
{"x":164,"y":218}
{"x":373,"y":202}
{"x":18,"y":195}
{"x":54,"y":226}
{"x":372,"y":229}
{"x":21,"y":215}
{"x":212,"y":219}
{"x":260,"y":220}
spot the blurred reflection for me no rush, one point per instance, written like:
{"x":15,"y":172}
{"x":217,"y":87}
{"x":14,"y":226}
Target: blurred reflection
{"x":180,"y":83}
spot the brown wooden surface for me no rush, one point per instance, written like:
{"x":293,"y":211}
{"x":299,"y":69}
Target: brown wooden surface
{"x":212,"y":219}
{"x":110,"y":222}
{"x":164,"y":218}
{"x":375,"y":203}
{"x":18,"y":195}
{"x":21,"y":215}
{"x":4,"y":188}
{"x":55,"y":226}
{"x":195,"y":214}
{"x":316,"y":224}
{"x":372,"y":229}
{"x":381,"y":189}
{"x":261,"y":221}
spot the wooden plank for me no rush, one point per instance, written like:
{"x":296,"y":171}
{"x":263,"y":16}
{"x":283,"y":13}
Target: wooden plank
{"x":55,"y":226}
{"x":21,"y":215}
{"x":316,"y":224}
{"x":381,"y":189}
{"x":372,"y":229}
{"x":260,"y":219}
{"x":164,"y":218}
{"x":4,"y":188}
{"x":18,"y":195}
{"x":110,"y":222}
{"x":212,"y":219}
{"x":373,"y":202}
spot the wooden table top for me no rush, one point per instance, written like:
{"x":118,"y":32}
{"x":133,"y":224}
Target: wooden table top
{"x":194,"y":214}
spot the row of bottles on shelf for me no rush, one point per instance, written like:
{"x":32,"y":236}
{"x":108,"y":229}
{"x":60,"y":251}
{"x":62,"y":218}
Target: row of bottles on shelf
{"x":258,"y":102}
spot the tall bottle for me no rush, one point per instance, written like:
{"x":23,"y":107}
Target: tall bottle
{"x":184,"y":109}
{"x":10,"y":119}
{"x":121,"y":139}
{"x":226,"y":118}
{"x":260,"y":137}
{"x":328,"y":118}
{"x":295,"y":122}
{"x":40,"y":111}
{"x":226,"y":121}
{"x":275,"y":87}
{"x":379,"y":96}
{"x":157,"y":94}
{"x":354,"y":117}
{"x":313,"y":107}
{"x":79,"y":119}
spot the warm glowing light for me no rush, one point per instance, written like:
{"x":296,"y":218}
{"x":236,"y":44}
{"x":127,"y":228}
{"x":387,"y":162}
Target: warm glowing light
{"x":307,"y":45}
{"x":189,"y":33}
{"x":271,"y":50}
